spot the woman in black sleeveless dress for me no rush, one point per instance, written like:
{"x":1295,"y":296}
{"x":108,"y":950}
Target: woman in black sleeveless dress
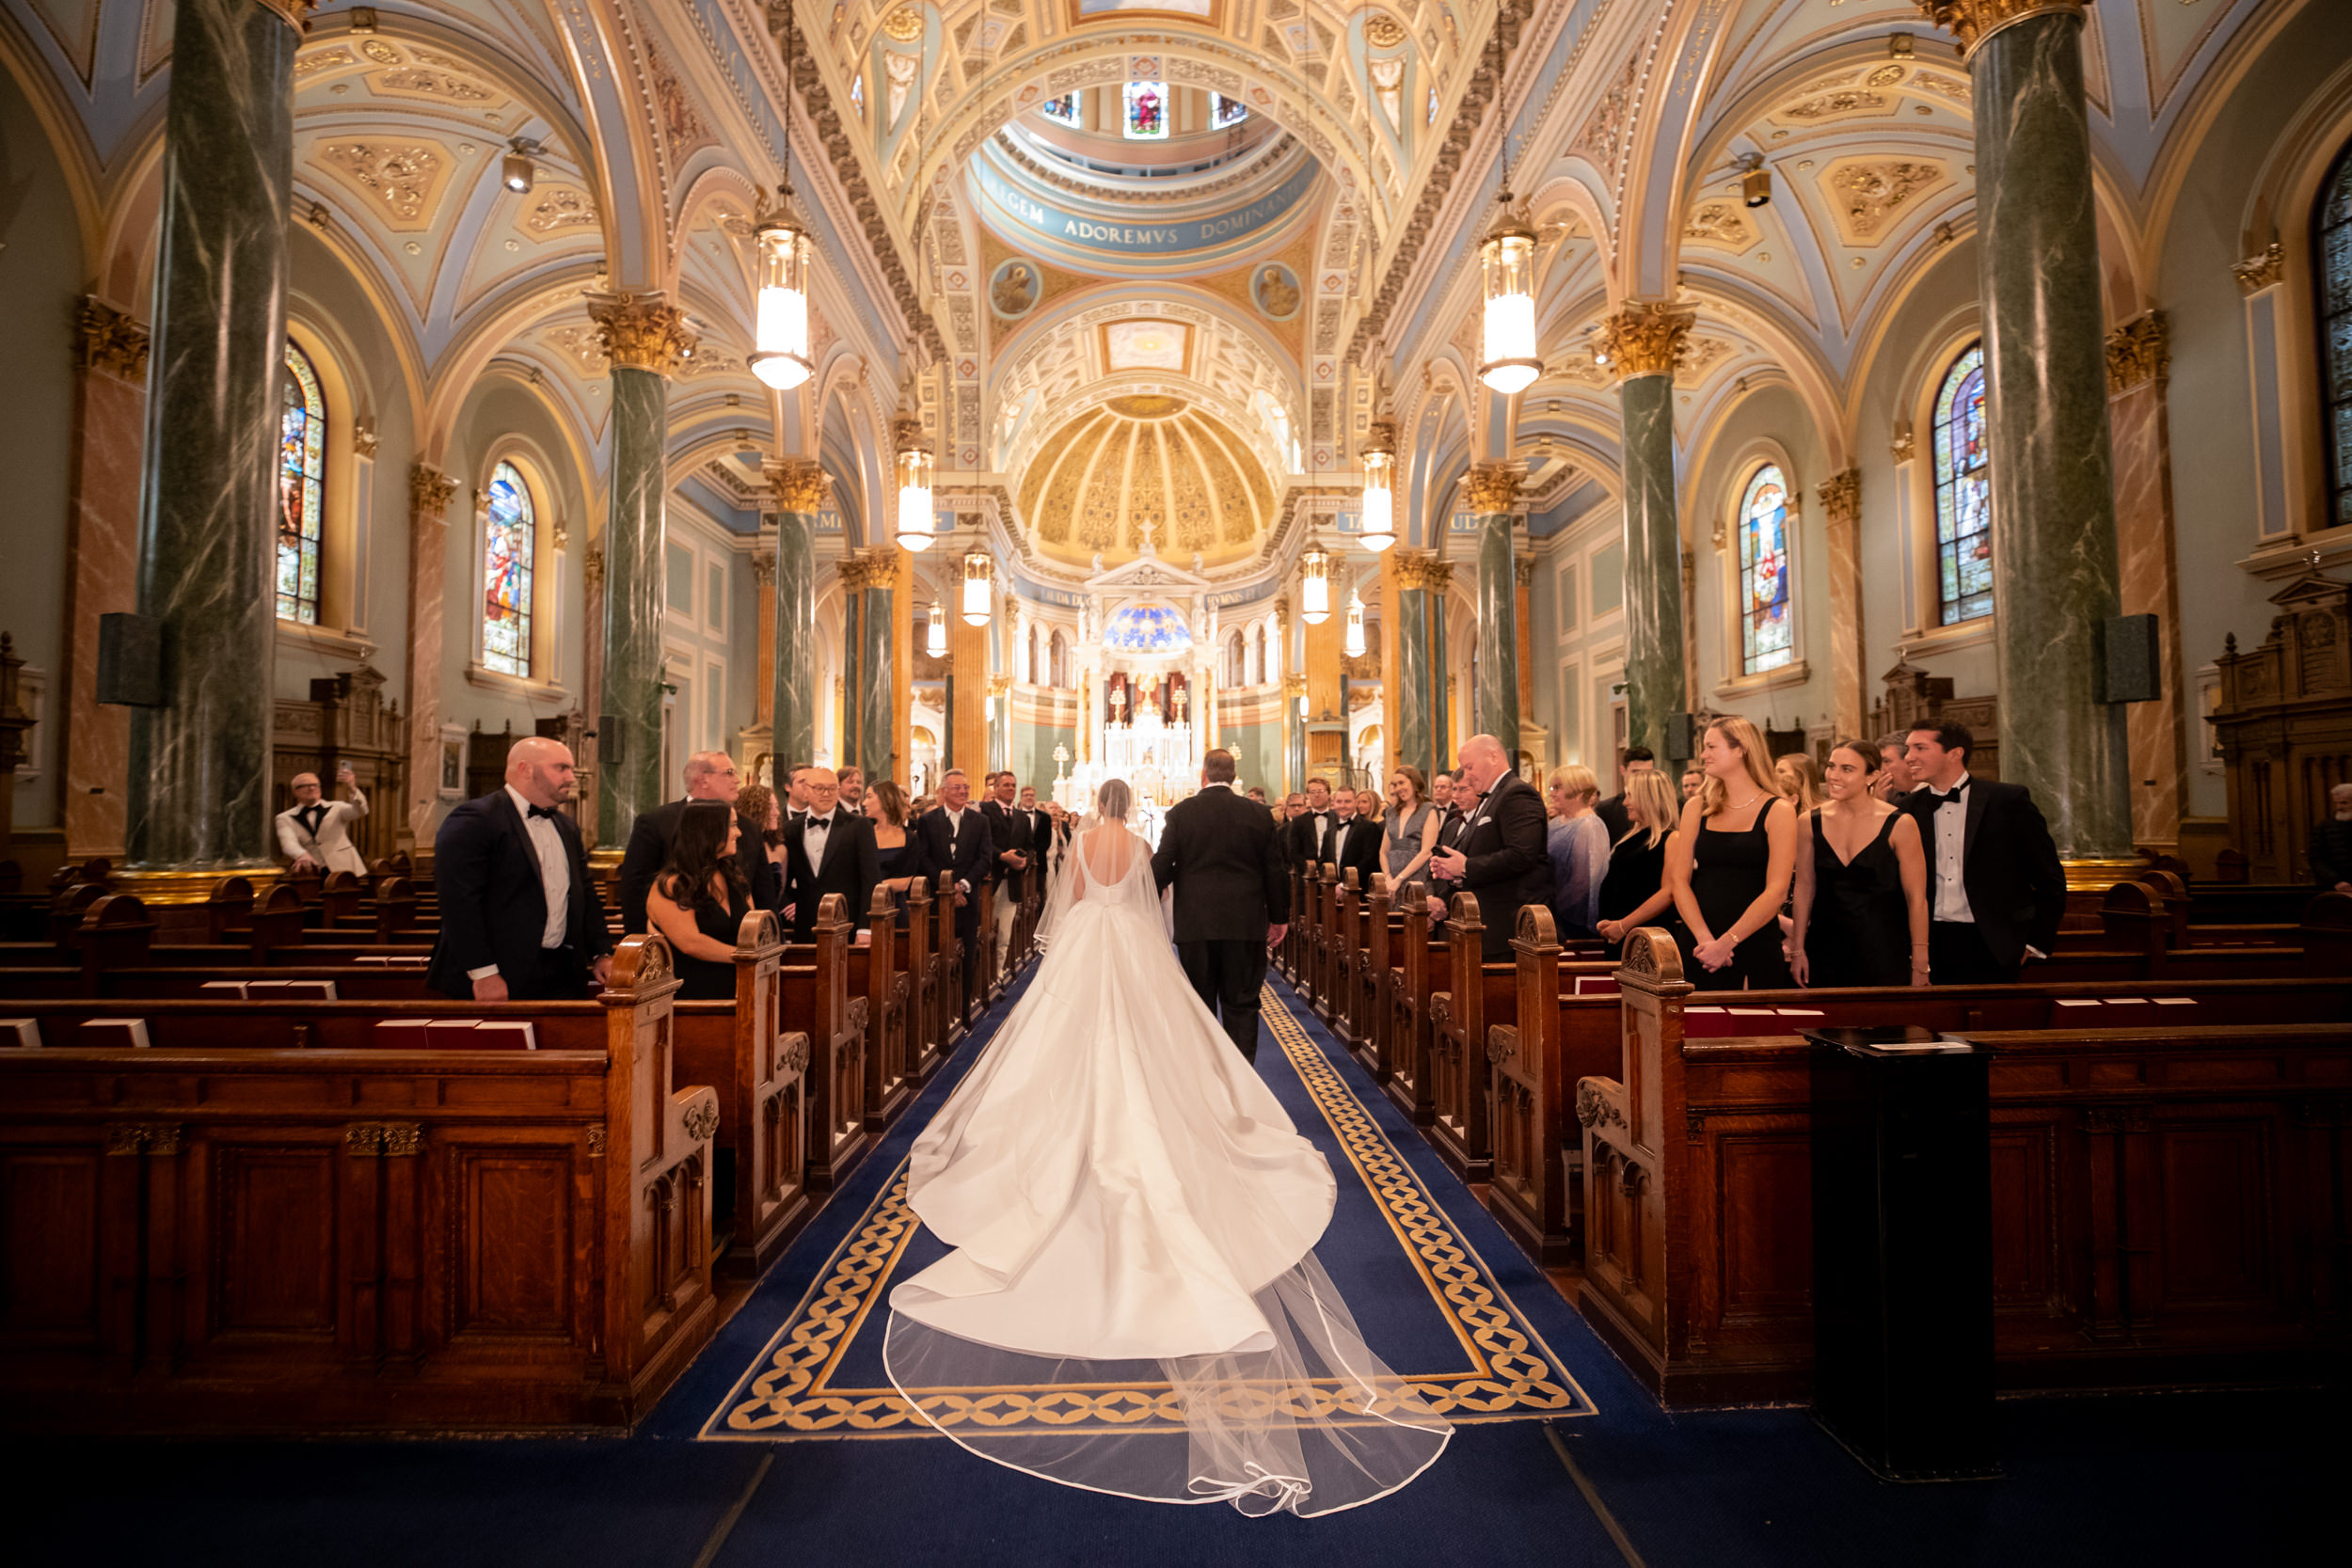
{"x":1730,"y":866}
{"x":902,"y":858}
{"x":1861,"y":902}
{"x":699,"y":901}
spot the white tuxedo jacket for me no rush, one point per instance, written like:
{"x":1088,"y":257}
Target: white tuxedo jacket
{"x":331,"y":845}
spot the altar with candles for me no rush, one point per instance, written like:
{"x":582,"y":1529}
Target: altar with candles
{"x":1143,"y":709}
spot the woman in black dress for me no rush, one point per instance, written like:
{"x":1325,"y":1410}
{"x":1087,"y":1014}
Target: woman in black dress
{"x":903,"y":860}
{"x":1731,"y":864}
{"x":1636,"y":891}
{"x":1862,"y":884}
{"x":699,"y":900}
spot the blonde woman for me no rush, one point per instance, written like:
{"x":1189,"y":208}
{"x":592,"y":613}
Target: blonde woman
{"x":1862,"y":884}
{"x":1635,"y":893}
{"x":1411,"y":831}
{"x":1578,"y":844}
{"x":1731,"y":864}
{"x":1800,"y":779}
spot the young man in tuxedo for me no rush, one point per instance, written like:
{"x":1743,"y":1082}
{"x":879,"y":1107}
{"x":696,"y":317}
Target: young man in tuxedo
{"x":315,"y":833}
{"x":1041,"y":828}
{"x":520,"y":918}
{"x":709,"y":776}
{"x":1500,"y":855}
{"x":1221,"y":854}
{"x":1310,"y":831}
{"x":852,"y":791}
{"x":1016,"y":843}
{"x":1356,"y":835}
{"x":956,"y":838}
{"x":1995,"y":887}
{"x":1637,"y":759}
{"x":830,"y":850}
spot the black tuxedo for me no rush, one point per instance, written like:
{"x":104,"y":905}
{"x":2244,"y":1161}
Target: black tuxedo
{"x":2009,"y":869}
{"x":648,"y":851}
{"x":851,"y":866}
{"x":494,"y":907}
{"x":1301,"y":834}
{"x":1508,"y":866}
{"x":1043,"y":846}
{"x":1615,"y":817}
{"x":1224,"y":850}
{"x":1009,"y":828}
{"x":968,"y":853}
{"x":1362,"y":850}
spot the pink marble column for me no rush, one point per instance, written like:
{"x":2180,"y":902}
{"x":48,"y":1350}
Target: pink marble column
{"x":103,"y":528}
{"x":430,"y":492}
{"x":1841,"y":508}
{"x":2138,"y":356}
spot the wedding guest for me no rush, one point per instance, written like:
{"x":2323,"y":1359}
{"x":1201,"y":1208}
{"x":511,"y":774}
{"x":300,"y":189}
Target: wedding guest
{"x":1614,"y":816}
{"x":1577,"y":843}
{"x":698,"y":900}
{"x":1016,"y":845}
{"x":1636,"y":893}
{"x":1861,"y":903}
{"x":759,"y":806}
{"x":1353,"y":843}
{"x":853,"y":789}
{"x":1693,"y":780}
{"x":521,"y":917}
{"x":1410,"y":834}
{"x":1310,"y":831}
{"x":315,"y":833}
{"x":2330,"y":854}
{"x":898,"y":855}
{"x":1731,"y":864}
{"x":1894,"y":779}
{"x":1997,"y":890}
{"x":956,"y":839}
{"x":830,"y":850}
{"x":1499,"y":855}
{"x":709,"y":776}
{"x":1800,"y":780}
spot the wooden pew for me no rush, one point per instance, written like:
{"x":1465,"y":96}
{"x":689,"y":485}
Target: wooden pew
{"x":2168,"y":1203}
{"x":1383,"y":932}
{"x":1472,"y":993}
{"x":1526,"y":1115}
{"x":816,"y":979}
{"x":875,"y":973}
{"x":1323,"y":960}
{"x":947,"y":1026}
{"x":1417,"y":964}
{"x":927,"y":973}
{"x":358,"y":1237}
{"x":759,"y":1068}
{"x":1348,"y":1024}
{"x":1296,"y":942}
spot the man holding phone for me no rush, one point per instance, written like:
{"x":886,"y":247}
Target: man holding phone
{"x":315,"y":833}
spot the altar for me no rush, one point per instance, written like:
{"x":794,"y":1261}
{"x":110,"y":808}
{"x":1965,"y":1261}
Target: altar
{"x":1144,"y":627}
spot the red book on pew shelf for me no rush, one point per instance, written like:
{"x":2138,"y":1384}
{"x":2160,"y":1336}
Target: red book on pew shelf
{"x":24,"y":1032}
{"x":289,"y":990}
{"x":452,"y":1034}
{"x":402,"y":1034}
{"x":129,"y":1032}
{"x":505,"y":1034}
{"x":221,"y":991}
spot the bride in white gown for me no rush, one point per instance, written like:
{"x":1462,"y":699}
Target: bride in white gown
{"x":1130,"y":1205}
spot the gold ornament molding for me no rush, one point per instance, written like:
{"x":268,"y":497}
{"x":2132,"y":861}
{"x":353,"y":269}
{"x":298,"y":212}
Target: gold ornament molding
{"x":1523,"y":570}
{"x":1972,"y":22}
{"x":430,"y":491}
{"x":640,"y":331}
{"x":2139,"y":351}
{"x":1841,"y":496}
{"x":111,"y":340}
{"x":2260,"y":271}
{"x":1647,"y":340}
{"x":878,"y":572}
{"x":801,"y":483}
{"x":296,"y":13}
{"x":1490,"y":488}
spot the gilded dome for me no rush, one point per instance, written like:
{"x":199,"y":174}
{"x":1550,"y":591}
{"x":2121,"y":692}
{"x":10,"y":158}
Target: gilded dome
{"x":1146,"y":463}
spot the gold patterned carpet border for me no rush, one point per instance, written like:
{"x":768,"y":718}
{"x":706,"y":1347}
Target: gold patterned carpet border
{"x":1510,"y":1373}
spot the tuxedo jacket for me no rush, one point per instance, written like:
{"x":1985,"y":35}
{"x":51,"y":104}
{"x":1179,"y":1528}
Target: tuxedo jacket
{"x":969,"y":853}
{"x":1044,"y":846}
{"x":1362,"y":850}
{"x":329,"y":842}
{"x":1220,"y":852}
{"x":494,"y":907}
{"x":2010,"y":868}
{"x":1502,"y":840}
{"x":648,"y":851}
{"x":850,"y":867}
{"x":1301,"y":830}
{"x":1008,"y":828}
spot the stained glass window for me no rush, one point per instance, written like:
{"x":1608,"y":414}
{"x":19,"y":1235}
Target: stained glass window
{"x":1147,"y":111}
{"x":1433,"y":106}
{"x":1062,"y":110}
{"x":1963,"y":494}
{"x":1224,"y":111}
{"x":2331,"y":236}
{"x":1767,"y":640}
{"x":301,"y":481}
{"x":857,"y":92}
{"x":509,"y":535}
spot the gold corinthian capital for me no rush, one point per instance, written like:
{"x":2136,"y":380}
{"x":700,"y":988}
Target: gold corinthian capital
{"x":801,"y":483}
{"x":1646,"y":339}
{"x":1490,"y":488}
{"x":1974,"y":21}
{"x":640,"y":331}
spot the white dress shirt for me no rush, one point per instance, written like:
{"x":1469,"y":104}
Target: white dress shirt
{"x":1339,"y":838}
{"x":1950,"y":902}
{"x":814,"y":834}
{"x":555,"y":876}
{"x":1317,"y":817}
{"x":954,"y":832}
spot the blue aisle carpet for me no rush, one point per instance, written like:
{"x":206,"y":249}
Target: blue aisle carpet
{"x":767,"y":1452}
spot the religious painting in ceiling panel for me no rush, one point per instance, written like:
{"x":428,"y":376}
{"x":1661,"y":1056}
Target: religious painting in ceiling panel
{"x":1146,"y":346}
{"x":435,"y":85}
{"x":1722,"y":223}
{"x":1869,"y":196}
{"x":398,"y":178}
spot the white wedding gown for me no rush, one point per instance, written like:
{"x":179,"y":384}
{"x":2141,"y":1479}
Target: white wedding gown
{"x":1130,"y":1209}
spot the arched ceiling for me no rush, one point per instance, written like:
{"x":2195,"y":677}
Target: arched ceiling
{"x":1146,"y":467}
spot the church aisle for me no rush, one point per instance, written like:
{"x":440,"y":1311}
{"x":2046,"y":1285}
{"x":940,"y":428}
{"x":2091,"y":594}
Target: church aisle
{"x":2175,"y":1481}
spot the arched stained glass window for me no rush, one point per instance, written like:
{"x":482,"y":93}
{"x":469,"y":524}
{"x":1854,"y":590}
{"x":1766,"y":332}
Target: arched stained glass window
{"x":1147,"y":112}
{"x":1767,"y":637}
{"x":1224,"y":111}
{"x":509,"y":536}
{"x":1963,"y":494}
{"x":1062,"y":110}
{"x":1058,"y":650}
{"x":301,"y":490}
{"x":1237,"y":660}
{"x":2332,"y":238}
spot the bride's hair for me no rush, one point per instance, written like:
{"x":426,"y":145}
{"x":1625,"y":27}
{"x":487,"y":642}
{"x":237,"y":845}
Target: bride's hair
{"x":1111,"y":801}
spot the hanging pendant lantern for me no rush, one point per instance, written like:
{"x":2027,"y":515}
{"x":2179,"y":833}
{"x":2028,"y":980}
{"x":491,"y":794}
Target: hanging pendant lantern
{"x":935,"y":638}
{"x":1353,"y":644}
{"x":1314,"y":583}
{"x":915,"y":523}
{"x":780,"y":353}
{"x":976,"y":598}
{"x":1507,"y":262}
{"x":1379,"y":456}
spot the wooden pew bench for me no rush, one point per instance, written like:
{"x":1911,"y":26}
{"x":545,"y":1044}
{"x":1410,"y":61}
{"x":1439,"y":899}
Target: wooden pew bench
{"x":261,"y":1236}
{"x":2168,"y":1203}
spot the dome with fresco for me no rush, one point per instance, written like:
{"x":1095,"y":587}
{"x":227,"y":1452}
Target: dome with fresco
{"x":1143,"y":464}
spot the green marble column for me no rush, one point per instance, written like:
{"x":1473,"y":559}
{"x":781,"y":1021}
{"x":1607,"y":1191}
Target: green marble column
{"x":643,"y":335}
{"x":2053,"y":559}
{"x":1643,"y":343}
{"x":1413,"y":743}
{"x":200,"y":769}
{"x":1492,"y":488}
{"x":1440,"y":574}
{"x":801,"y":487}
{"x":876,"y":753}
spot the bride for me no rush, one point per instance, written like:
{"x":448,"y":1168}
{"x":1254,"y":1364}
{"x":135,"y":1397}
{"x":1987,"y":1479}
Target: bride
{"x":1131,"y":1207}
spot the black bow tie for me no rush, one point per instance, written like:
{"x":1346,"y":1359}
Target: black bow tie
{"x":311,"y":815}
{"x":817,"y":824}
{"x":548,"y":812}
{"x":1952,"y":800}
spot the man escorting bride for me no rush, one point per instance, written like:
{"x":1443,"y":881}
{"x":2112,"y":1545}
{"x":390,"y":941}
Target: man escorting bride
{"x":1129,"y":1203}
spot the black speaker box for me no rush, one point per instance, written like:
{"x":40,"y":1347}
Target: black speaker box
{"x":130,"y":660}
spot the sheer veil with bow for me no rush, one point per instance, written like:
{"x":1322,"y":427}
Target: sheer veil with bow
{"x":1133,"y":1218}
